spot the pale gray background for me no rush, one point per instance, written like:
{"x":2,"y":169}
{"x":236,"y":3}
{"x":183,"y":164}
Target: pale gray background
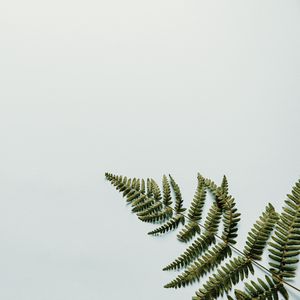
{"x":139,"y":88}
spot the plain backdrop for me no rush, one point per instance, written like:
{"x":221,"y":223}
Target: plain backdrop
{"x":139,"y":88}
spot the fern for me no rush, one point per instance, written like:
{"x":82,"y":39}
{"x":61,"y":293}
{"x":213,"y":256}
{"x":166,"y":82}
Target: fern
{"x":167,"y":199}
{"x":155,"y":207}
{"x":146,"y":204}
{"x":260,"y":233}
{"x":225,"y":277}
{"x":161,"y":211}
{"x":230,"y":220}
{"x":237,"y":269}
{"x":160,"y":216}
{"x":224,"y":185}
{"x":204,"y":255}
{"x":155,"y":190}
{"x":178,"y":198}
{"x":201,"y":243}
{"x":285,"y":247}
{"x":202,"y":266}
{"x":170,"y":225}
{"x":194,"y":213}
{"x":268,"y":289}
{"x":284,"y":251}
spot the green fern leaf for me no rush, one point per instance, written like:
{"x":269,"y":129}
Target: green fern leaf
{"x":224,"y":185}
{"x":237,"y":269}
{"x":192,"y":252}
{"x":160,"y":216}
{"x":178,"y":198}
{"x":201,"y":243}
{"x":149,"y":188}
{"x":156,"y":207}
{"x":170,"y":225}
{"x":194,"y":213}
{"x":139,"y":200}
{"x":263,"y":290}
{"x":144,"y":205}
{"x":260,"y":233}
{"x":167,"y":199}
{"x":202,"y":266}
{"x":189,"y":230}
{"x":230,"y":220}
{"x":225,"y":277}
{"x":155,"y":190}
{"x":151,"y":205}
{"x":143,"y":186}
{"x":285,"y":247}
{"x":218,"y":192}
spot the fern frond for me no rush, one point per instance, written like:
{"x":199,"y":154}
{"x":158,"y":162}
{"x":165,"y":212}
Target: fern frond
{"x":202,"y":242}
{"x":143,"y":186}
{"x":170,"y":225}
{"x":202,"y":266}
{"x":178,"y":198}
{"x":111,"y":177}
{"x":237,"y":269}
{"x":213,"y":219}
{"x":167,"y":199}
{"x":127,"y":186}
{"x":139,"y":200}
{"x":192,"y":252}
{"x":152,"y":205}
{"x":137,"y":185}
{"x":156,"y":207}
{"x":225,"y":277}
{"x":194,"y":213}
{"x":230,"y":220}
{"x":189,"y":230}
{"x":263,"y":290}
{"x":160,"y":216}
{"x":133,"y":183}
{"x":133,"y":195}
{"x":127,"y":189}
{"x":121,"y":185}
{"x":218,"y":192}
{"x":149,"y":188}
{"x":260,"y":233}
{"x":146,"y":204}
{"x":155,"y":190}
{"x":196,"y":208}
{"x":224,"y":185}
{"x":285,"y":247}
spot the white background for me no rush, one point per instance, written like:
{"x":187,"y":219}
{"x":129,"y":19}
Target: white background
{"x":140,"y":88}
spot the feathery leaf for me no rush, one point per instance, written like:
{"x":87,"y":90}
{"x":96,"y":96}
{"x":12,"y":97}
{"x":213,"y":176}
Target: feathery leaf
{"x":285,"y":247}
{"x":170,"y":225}
{"x":178,"y":198}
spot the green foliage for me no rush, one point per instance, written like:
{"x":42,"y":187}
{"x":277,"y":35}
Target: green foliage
{"x":230,"y":220}
{"x":167,"y":198}
{"x":194,"y":213}
{"x":192,"y":252}
{"x":237,"y":268}
{"x":225,"y":277}
{"x":178,"y":198}
{"x":285,"y":247}
{"x":203,"y":265}
{"x":224,"y":185}
{"x":284,"y":251}
{"x":260,"y":233}
{"x":263,"y":289}
{"x":159,"y":216}
{"x":204,"y":256}
{"x":170,"y":225}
